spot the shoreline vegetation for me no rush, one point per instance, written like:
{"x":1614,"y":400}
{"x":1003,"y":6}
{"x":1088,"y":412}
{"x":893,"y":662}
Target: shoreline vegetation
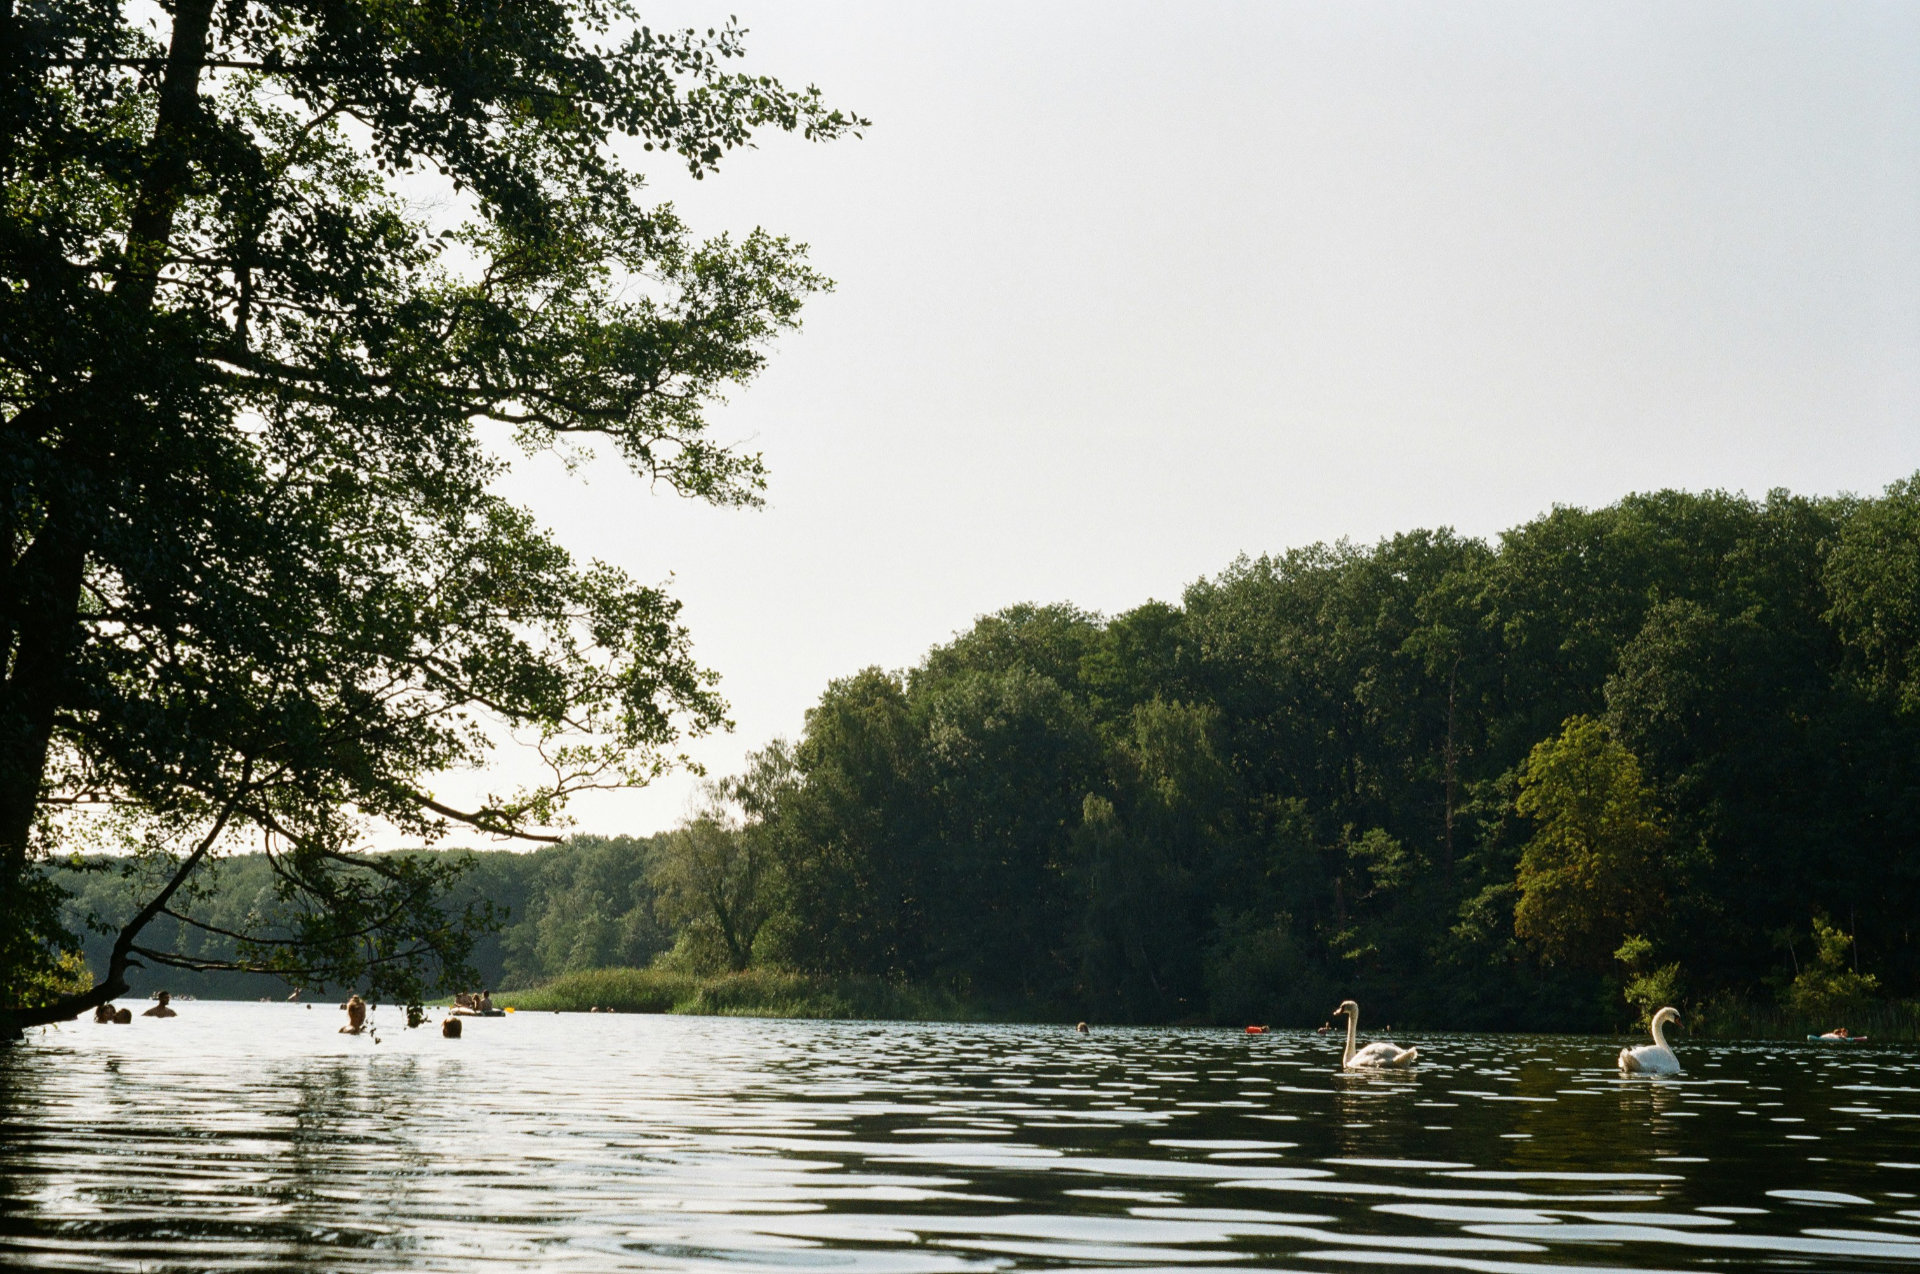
{"x":1888,"y":1022}
{"x":750,"y":993}
{"x":779,"y":993}
{"x":1659,"y":753}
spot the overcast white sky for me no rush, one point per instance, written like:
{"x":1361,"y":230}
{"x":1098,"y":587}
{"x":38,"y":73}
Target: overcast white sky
{"x":1128,"y":289}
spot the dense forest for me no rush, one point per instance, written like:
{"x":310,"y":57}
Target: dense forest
{"x":1669,"y":747}
{"x":1667,"y":750}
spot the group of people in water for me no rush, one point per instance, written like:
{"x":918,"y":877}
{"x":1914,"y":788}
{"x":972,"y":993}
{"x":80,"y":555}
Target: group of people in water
{"x":356,"y":1009}
{"x":357,"y":1019}
{"x":107,"y":1015}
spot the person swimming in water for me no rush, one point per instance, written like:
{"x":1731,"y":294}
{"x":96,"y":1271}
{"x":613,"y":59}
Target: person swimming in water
{"x":450,"y":1028}
{"x":356,"y":1016}
{"x":124,"y":1017}
{"x":161,"y":1009}
{"x":103,"y":1014}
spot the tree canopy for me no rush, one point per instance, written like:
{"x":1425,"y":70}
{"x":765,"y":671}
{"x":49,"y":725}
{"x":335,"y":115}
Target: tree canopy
{"x":1525,"y":782}
{"x":281,"y":288}
{"x":1596,"y":866}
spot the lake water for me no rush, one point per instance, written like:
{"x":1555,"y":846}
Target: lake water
{"x":252,"y":1136}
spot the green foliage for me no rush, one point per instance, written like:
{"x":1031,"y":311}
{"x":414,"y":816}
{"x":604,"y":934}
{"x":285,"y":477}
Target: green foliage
{"x":235,"y":921}
{"x":34,"y":938}
{"x":1258,"y":973}
{"x":1872,"y":574}
{"x":67,"y":975}
{"x":591,"y":905}
{"x":1386,"y":861}
{"x":1446,"y":777}
{"x":1733,"y":1016}
{"x":1009,"y":758}
{"x":259,"y":585}
{"x":854,"y":835}
{"x":1491,"y":786}
{"x":713,"y":873}
{"x":753,"y":993}
{"x":583,"y":904}
{"x":1649,"y":987}
{"x":1594,"y":868}
{"x":619,"y":989}
{"x":1827,"y":988}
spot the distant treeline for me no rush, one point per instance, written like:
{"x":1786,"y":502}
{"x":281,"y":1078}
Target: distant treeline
{"x":1666,"y":751}
{"x":586,"y":904}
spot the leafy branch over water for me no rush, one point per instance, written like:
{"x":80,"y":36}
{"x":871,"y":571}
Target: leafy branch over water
{"x":277,"y":282}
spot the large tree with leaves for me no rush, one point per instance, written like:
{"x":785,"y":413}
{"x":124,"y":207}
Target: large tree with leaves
{"x":280,"y":284}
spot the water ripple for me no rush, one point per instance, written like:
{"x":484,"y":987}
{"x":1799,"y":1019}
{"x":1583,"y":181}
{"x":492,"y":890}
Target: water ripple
{"x":254,"y":1137}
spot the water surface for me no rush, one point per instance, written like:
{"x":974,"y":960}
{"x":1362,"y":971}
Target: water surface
{"x":253,"y":1136}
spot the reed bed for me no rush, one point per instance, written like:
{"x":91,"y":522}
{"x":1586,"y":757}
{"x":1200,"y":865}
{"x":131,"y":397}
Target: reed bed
{"x":753,"y":993}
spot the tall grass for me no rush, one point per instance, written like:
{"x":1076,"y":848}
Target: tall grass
{"x":754,"y":993}
{"x":1729,"y":1018}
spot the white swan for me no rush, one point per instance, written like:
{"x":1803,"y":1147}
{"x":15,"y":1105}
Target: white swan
{"x":1655,"y":1058}
{"x":1378,"y":1053}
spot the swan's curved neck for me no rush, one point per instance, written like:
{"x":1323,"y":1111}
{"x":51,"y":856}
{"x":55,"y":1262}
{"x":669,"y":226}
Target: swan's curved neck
{"x":1660,"y":1031}
{"x":1353,"y":1029}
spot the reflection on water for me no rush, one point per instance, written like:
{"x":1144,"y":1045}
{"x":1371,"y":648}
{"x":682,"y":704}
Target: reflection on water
{"x":252,"y":1136}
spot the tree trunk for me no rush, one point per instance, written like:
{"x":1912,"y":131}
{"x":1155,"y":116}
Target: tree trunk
{"x":169,"y":170}
{"x":1452,"y":758}
{"x":42,"y":586}
{"x":45,"y":591}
